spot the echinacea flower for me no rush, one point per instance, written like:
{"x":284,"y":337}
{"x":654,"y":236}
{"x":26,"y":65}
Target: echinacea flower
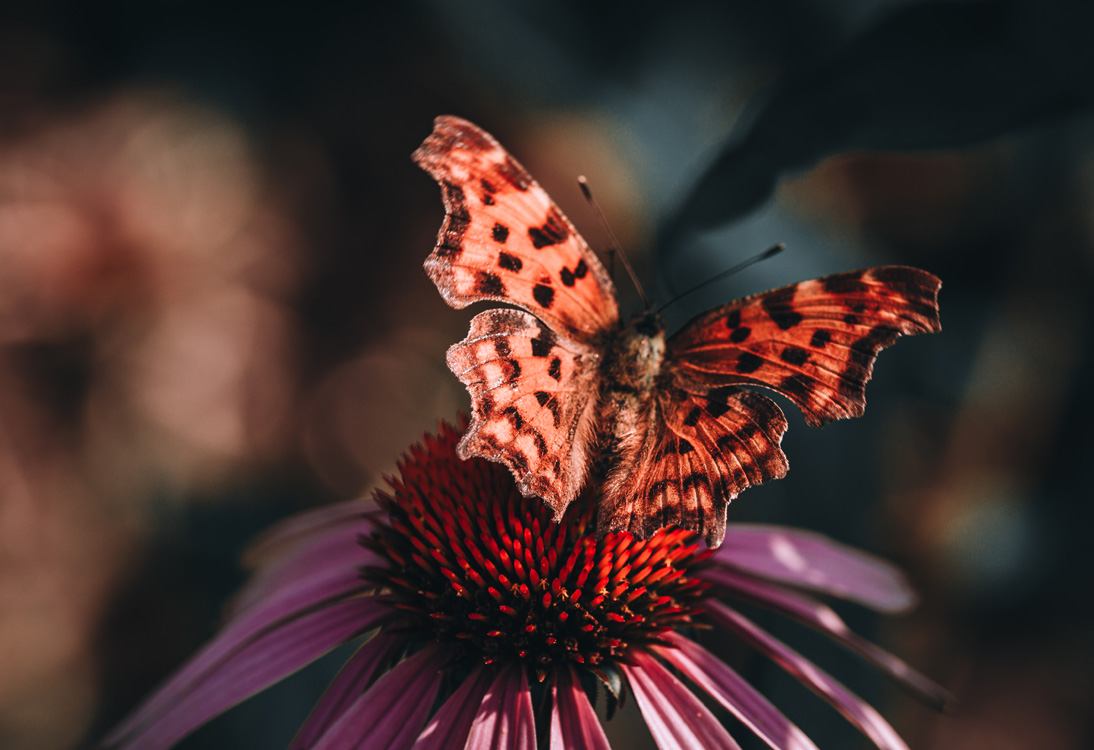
{"x":489,"y":623}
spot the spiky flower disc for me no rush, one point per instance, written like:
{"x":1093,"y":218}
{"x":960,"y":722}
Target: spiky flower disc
{"x":485,"y":569}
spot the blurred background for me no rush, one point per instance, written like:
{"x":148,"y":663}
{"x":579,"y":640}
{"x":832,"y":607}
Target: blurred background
{"x":213,"y":313}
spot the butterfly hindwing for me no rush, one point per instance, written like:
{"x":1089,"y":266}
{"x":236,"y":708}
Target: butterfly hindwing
{"x":815,"y":342}
{"x":503,"y":239}
{"x":532,"y":393}
{"x":697,"y":453}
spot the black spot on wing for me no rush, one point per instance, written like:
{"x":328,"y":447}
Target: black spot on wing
{"x":509,"y":262}
{"x":489,"y":284}
{"x":500,"y":233}
{"x":820,"y":339}
{"x":683,"y":447}
{"x":778,"y":306}
{"x":501,"y":347}
{"x":543,"y":343}
{"x":552,"y":232}
{"x":555,"y":370}
{"x":693,"y":417}
{"x":740,"y":334}
{"x":794,"y":355}
{"x":748,"y":362}
{"x":544,"y":295}
{"x":733,"y":320}
{"x":488,"y":186}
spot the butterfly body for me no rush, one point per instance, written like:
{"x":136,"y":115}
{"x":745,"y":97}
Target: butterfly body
{"x":668,"y":427}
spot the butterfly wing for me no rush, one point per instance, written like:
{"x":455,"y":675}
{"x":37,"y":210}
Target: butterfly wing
{"x":814,"y":342}
{"x":696,"y":453}
{"x":531,"y":398}
{"x":533,"y":383}
{"x":503,"y":239}
{"x":706,"y":438}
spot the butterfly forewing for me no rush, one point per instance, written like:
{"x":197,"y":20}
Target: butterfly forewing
{"x":532,"y":393}
{"x":503,"y":239}
{"x":815,"y":342}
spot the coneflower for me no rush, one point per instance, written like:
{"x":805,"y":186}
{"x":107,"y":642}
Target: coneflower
{"x":488,"y":625}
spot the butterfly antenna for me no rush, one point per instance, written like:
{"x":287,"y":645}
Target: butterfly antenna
{"x":768,"y":253}
{"x":616,"y":248}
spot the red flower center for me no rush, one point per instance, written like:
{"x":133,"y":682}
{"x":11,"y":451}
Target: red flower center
{"x":484,"y":568}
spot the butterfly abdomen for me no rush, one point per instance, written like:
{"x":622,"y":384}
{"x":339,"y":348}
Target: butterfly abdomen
{"x":626,"y":403}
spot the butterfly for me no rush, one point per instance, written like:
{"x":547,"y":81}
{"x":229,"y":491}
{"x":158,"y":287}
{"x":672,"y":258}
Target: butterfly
{"x":562,"y":389}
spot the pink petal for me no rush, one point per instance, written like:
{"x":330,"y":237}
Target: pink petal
{"x":335,"y":555}
{"x":256,"y":623}
{"x":235,"y":666}
{"x":573,"y":722}
{"x":451,"y":724}
{"x":504,"y":720}
{"x":352,"y":680}
{"x":305,"y":527}
{"x":390,"y":715}
{"x":857,"y":711}
{"x":809,"y":611}
{"x":676,"y":718}
{"x":813,"y":561}
{"x":728,"y":688}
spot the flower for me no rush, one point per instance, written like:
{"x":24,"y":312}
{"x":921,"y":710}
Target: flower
{"x":490,"y":622}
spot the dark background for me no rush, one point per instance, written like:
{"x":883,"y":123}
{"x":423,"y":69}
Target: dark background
{"x":212,"y":311}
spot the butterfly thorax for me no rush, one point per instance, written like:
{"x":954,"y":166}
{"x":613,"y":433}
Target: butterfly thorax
{"x":634,"y":360}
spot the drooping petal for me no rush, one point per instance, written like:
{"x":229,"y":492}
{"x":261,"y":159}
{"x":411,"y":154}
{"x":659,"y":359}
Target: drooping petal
{"x":451,"y":724}
{"x":573,"y":721}
{"x":249,"y":628}
{"x":676,"y":718}
{"x":504,"y":720}
{"x":857,"y":711}
{"x":352,"y":680}
{"x":334,"y":556}
{"x":392,"y":712}
{"x":813,"y":561}
{"x":305,"y":527}
{"x":730,"y":689}
{"x":238,"y":663}
{"x":817,"y":615}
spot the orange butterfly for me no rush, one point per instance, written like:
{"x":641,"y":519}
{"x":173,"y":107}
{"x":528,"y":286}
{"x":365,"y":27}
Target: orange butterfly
{"x":561,"y":387}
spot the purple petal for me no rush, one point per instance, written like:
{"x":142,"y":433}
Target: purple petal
{"x":390,"y":715}
{"x":504,"y":720}
{"x":573,"y":722}
{"x":676,"y":718}
{"x":813,"y":561}
{"x":813,"y":613}
{"x":304,"y":527}
{"x":335,"y":555}
{"x":260,"y":621}
{"x":857,"y":711}
{"x":352,"y":680}
{"x":236,"y":665}
{"x":451,"y":724}
{"x":728,"y":688}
